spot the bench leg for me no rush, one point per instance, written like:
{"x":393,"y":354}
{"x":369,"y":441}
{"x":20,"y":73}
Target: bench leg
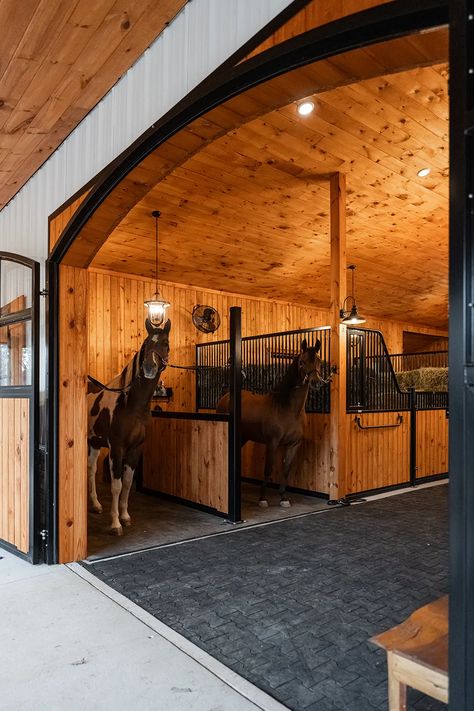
{"x":397,"y":692}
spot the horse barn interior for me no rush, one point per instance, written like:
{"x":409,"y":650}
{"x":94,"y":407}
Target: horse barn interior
{"x":264,"y":209}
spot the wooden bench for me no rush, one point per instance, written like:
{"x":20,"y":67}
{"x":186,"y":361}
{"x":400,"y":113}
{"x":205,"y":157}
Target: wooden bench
{"x":417,"y":654}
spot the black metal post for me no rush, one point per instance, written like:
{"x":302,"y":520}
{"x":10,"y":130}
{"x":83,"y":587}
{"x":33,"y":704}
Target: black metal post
{"x":461,"y":357}
{"x":413,"y":465}
{"x":235,"y":414}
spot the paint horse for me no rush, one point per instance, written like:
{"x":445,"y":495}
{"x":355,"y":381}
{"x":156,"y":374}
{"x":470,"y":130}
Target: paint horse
{"x":276,"y":419}
{"x":118,"y":416}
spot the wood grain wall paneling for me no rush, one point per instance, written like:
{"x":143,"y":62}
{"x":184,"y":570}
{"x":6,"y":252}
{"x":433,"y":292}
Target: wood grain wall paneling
{"x":72,"y":436}
{"x":377,"y":457}
{"x":110,"y":348}
{"x":113,"y":339}
{"x":14,"y":471}
{"x":432,"y":438}
{"x":188,"y":459}
{"x":312,"y":467}
{"x":109,"y":292}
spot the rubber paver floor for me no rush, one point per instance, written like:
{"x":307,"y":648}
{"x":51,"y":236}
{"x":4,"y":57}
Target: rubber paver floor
{"x":290,"y":606}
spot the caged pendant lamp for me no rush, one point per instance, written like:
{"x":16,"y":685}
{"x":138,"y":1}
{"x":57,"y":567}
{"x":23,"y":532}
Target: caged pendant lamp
{"x":156,"y":307}
{"x":351,"y":317}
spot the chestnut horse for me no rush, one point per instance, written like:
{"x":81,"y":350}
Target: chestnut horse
{"x":276,"y":419}
{"x":118,"y":416}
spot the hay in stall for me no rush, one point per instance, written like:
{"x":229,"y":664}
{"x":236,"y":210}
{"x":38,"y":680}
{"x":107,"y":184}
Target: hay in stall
{"x":428,"y":380}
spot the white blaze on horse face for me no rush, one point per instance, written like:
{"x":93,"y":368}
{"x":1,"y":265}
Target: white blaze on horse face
{"x":149,"y":371}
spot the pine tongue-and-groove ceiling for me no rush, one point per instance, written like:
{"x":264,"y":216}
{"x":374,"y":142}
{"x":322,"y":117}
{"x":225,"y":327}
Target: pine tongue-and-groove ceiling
{"x":58,"y":59}
{"x":249,"y":212}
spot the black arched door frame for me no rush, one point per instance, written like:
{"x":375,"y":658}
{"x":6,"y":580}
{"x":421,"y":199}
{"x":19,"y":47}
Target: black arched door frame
{"x":375,"y":25}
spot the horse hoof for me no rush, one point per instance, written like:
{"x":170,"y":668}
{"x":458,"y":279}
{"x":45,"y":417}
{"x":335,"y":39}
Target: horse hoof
{"x":116,"y":531}
{"x":126,"y":522}
{"x":263,"y":503}
{"x":285,"y":503}
{"x":96,"y":509}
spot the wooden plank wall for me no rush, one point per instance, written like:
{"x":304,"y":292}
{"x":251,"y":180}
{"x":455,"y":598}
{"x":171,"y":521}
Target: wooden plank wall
{"x":14,"y":471}
{"x":117,"y":316}
{"x":188,"y":459}
{"x":315,"y":14}
{"x":380,"y":457}
{"x":59,"y":222}
{"x":72,"y":437}
{"x":311,"y":470}
{"x":432,"y":442}
{"x":117,"y":330}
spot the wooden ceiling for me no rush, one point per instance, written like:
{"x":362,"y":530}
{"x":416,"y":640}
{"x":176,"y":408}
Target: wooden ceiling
{"x":248,"y":211}
{"x":58,"y":60}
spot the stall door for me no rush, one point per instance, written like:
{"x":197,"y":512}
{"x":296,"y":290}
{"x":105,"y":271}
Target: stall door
{"x":18,"y":403}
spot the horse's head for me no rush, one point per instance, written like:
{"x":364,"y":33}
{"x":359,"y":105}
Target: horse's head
{"x":155,"y":349}
{"x":309,"y":362}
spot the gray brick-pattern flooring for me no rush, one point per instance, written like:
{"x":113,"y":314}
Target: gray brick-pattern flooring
{"x":291,"y":606}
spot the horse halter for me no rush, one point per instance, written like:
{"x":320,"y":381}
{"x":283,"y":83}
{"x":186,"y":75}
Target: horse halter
{"x":307,"y":375}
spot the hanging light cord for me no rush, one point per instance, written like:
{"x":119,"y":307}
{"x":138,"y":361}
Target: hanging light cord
{"x":156,"y":214}
{"x":352,"y":268}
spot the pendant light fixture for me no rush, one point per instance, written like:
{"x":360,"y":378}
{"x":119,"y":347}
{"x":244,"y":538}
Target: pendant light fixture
{"x":156,"y":307}
{"x":351,"y":317}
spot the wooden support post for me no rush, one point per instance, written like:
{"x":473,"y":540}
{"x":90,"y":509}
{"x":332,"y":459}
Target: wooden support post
{"x":338,"y":421}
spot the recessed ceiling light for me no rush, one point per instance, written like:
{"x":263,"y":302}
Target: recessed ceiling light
{"x":424,"y":172}
{"x":305,"y":107}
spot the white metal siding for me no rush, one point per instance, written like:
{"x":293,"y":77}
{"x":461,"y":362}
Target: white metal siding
{"x":199,"y":39}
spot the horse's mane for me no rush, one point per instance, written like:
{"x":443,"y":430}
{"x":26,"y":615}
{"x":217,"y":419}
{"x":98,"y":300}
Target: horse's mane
{"x":130,"y":371}
{"x":281,"y":392}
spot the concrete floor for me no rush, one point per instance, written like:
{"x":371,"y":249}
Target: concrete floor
{"x":156,"y":521}
{"x":68,"y":642}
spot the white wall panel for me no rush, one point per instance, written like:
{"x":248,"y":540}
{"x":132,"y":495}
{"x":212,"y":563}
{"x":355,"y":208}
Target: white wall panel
{"x":200,"y":38}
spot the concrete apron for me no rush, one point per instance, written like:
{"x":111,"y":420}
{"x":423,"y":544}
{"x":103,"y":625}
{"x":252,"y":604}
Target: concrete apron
{"x":69,"y":641}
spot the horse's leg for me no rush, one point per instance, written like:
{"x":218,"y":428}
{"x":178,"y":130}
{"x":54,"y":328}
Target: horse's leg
{"x":270,"y":451}
{"x":290,"y":454}
{"x":116,"y":472}
{"x":92,"y":458}
{"x":130,"y":464}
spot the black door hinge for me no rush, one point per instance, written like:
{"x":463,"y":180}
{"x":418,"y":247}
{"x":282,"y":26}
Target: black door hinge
{"x":44,"y":292}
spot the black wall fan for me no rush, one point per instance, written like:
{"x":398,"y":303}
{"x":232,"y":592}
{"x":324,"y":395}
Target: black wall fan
{"x":206,"y":318}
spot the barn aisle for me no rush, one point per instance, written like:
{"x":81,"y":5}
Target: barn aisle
{"x":291,"y":606}
{"x":158,"y":522}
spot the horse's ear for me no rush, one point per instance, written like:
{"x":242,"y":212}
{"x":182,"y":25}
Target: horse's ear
{"x":149,"y":327}
{"x":317,"y":346}
{"x":304,"y":345}
{"x":167,"y":327}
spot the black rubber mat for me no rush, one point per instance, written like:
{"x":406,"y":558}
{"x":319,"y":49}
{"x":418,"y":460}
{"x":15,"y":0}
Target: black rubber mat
{"x":290,"y":606}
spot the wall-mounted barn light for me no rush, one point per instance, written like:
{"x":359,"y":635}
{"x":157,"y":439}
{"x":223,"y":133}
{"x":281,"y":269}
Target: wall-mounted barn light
{"x":156,"y":307}
{"x":351,"y":317}
{"x":304,"y":108}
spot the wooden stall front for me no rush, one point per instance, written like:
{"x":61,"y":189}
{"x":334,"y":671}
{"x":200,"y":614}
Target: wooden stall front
{"x":186,"y":458}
